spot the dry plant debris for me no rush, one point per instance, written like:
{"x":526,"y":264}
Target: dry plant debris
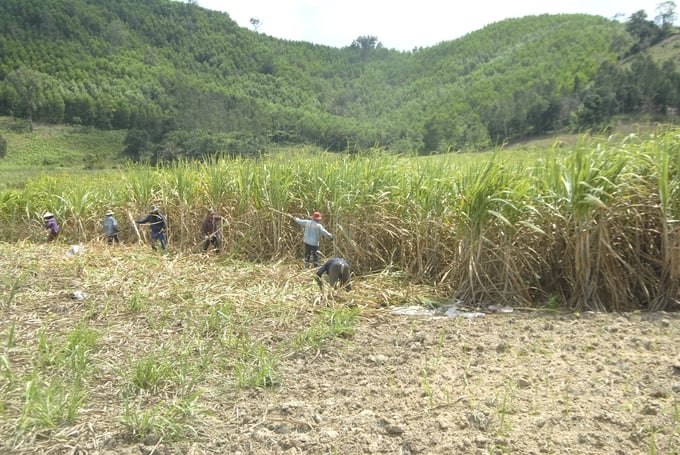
{"x":191,"y":353}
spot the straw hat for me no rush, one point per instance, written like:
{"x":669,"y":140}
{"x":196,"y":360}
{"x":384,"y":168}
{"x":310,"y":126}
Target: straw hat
{"x":109,"y":212}
{"x":48,"y":215}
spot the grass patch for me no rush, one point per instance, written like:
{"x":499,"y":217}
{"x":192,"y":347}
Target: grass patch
{"x":169,"y":421}
{"x":331,"y":323}
{"x":258,"y":367}
{"x":73,"y":151}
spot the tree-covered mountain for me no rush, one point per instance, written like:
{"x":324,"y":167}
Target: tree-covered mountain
{"x":187,"y":81}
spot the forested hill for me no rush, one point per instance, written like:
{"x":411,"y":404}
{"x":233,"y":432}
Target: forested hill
{"x":187,"y":81}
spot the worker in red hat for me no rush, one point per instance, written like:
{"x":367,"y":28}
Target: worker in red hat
{"x":312,"y":236}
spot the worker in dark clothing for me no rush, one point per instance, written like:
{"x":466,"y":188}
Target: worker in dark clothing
{"x":158,"y":226}
{"x":211,"y":229}
{"x":338,"y":274}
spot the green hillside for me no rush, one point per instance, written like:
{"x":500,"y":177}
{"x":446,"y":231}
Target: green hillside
{"x":184,"y":81}
{"x":668,"y":50}
{"x":49,"y":149}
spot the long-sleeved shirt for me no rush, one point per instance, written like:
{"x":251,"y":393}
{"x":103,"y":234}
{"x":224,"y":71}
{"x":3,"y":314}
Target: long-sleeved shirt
{"x":110,"y":225}
{"x":338,"y":273}
{"x":313,"y":231}
{"x":339,"y":262}
{"x":156,"y":222}
{"x":52,"y":225}
{"x":212,"y":225}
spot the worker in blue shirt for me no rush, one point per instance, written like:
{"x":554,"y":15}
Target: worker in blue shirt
{"x":312,"y":236}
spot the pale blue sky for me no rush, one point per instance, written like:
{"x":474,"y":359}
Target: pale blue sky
{"x":401,"y":25}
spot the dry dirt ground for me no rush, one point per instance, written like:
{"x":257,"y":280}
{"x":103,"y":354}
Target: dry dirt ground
{"x":525,"y":382}
{"x":520,"y":383}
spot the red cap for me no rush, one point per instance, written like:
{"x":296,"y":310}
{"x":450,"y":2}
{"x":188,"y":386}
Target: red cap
{"x":316,"y":216}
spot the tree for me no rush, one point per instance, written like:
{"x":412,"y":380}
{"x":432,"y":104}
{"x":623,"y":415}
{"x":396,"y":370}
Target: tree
{"x":136,"y":143}
{"x":648,"y":77}
{"x":117,"y":33}
{"x":366,"y":44}
{"x":255,"y":22}
{"x":665,"y":14}
{"x":3,"y":147}
{"x":591,"y":112}
{"x":646,"y":32}
{"x":432,"y":133}
{"x":29,"y":86}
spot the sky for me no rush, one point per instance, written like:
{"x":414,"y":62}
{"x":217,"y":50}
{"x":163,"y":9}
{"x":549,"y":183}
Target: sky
{"x":402,"y":25}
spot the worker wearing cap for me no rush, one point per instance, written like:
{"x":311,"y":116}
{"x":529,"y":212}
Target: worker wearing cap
{"x":110,"y":225}
{"x":312,"y":236}
{"x":157,"y":225}
{"x":52,"y":226}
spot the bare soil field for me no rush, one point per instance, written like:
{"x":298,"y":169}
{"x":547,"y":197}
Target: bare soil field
{"x":530,"y":381}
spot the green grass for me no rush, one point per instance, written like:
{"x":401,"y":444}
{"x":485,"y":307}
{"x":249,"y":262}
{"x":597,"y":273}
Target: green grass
{"x":332,"y":323}
{"x":55,"y":149}
{"x":257,"y":367}
{"x":168,"y":421}
{"x":667,"y":50}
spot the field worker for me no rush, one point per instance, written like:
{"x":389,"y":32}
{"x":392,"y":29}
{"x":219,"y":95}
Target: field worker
{"x":338,"y":274}
{"x":110,"y":225}
{"x":157,"y":225}
{"x":52,"y":226}
{"x":211,"y":229}
{"x":313,"y":232}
